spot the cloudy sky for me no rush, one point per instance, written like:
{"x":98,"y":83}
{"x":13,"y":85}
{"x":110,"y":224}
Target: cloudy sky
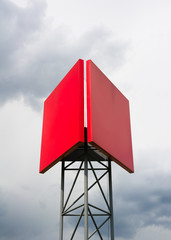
{"x":39,"y":42}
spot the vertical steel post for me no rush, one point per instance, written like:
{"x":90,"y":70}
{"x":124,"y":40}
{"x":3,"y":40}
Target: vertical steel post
{"x":111,"y":201}
{"x":61,"y":201}
{"x":85,"y":188}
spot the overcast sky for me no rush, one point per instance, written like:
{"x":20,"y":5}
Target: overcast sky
{"x":130,"y":42}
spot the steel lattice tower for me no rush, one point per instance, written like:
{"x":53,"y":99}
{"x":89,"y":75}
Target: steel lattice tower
{"x":85,"y":157}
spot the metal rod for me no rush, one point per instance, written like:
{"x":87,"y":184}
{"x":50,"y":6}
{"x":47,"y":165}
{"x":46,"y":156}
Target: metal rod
{"x":99,"y":227}
{"x":95,"y":224}
{"x":73,"y":185}
{"x":79,"y":160}
{"x":88,"y":190}
{"x":73,"y":209}
{"x":85,"y":188}
{"x":61,"y":201}
{"x":70,"y":164}
{"x":102,"y":164}
{"x":99,"y":209}
{"x":98,"y":215}
{"x":77,"y":224}
{"x":100,"y":186}
{"x":74,"y":169}
{"x":111,"y":201}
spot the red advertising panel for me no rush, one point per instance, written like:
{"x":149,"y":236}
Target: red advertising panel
{"x":63,"y":119}
{"x":108,"y":118}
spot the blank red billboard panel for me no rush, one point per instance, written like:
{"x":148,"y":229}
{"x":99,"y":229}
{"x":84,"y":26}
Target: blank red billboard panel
{"x":63,"y":119}
{"x":108,"y":118}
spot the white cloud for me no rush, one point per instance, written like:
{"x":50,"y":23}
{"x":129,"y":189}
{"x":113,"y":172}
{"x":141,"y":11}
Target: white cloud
{"x":153,"y":232}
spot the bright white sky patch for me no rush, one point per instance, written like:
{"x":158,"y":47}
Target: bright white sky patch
{"x":20,"y":3}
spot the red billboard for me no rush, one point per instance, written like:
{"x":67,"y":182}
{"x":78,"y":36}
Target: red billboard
{"x":108,"y":118}
{"x":63,"y":118}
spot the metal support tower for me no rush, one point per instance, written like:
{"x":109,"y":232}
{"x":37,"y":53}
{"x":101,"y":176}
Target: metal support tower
{"x":86,"y":202}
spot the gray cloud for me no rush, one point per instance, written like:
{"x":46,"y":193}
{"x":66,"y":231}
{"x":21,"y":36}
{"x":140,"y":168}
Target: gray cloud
{"x":17,"y":27}
{"x":34,"y":57}
{"x":25,"y":212}
{"x":24,"y":216}
{"x":147,"y":202}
